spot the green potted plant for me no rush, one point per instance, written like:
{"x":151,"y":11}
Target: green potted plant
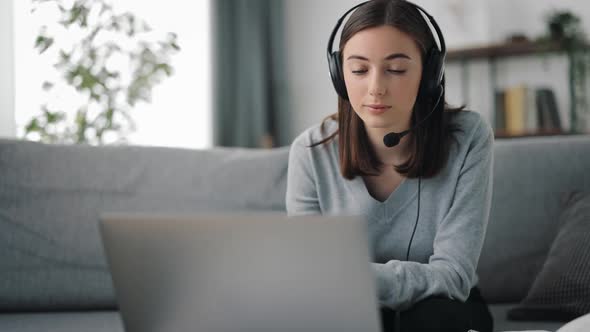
{"x":563,"y":24}
{"x":566,"y":27}
{"x":108,"y":92}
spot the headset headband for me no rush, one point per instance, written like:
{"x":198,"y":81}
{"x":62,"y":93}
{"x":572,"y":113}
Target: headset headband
{"x":443,"y":47}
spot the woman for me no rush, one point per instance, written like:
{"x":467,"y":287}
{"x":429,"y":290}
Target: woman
{"x":419,"y":171}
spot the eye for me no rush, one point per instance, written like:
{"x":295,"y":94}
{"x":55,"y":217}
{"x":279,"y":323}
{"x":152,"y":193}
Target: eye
{"x":359,"y":72}
{"x":397,"y":72}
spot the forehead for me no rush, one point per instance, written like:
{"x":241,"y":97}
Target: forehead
{"x":381,"y":41}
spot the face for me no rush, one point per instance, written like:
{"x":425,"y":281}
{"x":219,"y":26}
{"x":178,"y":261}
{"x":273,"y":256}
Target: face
{"x":382,"y":70}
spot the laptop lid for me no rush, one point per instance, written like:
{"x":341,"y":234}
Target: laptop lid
{"x":263,"y":272}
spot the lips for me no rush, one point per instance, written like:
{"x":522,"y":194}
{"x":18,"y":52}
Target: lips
{"x":377,"y":108}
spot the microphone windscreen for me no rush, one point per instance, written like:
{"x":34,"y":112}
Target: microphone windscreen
{"x":391,"y":139}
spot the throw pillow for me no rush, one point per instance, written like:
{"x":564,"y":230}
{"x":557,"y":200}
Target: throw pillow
{"x":561,"y":290}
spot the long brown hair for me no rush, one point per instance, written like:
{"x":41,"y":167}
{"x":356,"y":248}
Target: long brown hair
{"x":429,"y":143}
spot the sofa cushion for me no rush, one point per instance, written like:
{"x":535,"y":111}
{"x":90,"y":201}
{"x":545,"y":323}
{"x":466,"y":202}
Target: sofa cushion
{"x":51,"y":196}
{"x":561,"y":290}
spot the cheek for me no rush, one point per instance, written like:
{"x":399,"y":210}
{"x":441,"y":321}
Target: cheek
{"x":405,"y":91}
{"x":356,"y":88}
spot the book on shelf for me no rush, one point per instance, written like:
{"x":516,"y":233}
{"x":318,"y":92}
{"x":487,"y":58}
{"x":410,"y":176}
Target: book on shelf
{"x":500,"y":112}
{"x":525,"y":110}
{"x":547,"y":105}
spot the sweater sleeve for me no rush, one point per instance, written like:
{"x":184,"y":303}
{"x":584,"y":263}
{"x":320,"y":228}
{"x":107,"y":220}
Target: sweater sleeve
{"x":302,"y":195}
{"x":450,"y":271}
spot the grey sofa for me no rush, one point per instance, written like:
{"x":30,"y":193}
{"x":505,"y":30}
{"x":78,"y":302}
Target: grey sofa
{"x":53,"y":276}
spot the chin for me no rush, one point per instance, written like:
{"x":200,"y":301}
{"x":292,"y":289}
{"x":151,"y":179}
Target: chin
{"x":377,"y":123}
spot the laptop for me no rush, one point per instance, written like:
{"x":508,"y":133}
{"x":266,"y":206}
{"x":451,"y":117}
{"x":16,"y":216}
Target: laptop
{"x":224,"y":272}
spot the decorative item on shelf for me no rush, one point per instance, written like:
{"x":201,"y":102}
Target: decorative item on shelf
{"x":111,"y":65}
{"x":517,"y":38}
{"x":566,"y":27}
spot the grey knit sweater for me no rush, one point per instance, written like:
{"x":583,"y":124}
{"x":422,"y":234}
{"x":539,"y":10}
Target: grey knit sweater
{"x":454,"y":212}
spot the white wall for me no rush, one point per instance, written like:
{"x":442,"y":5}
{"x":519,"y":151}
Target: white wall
{"x":309,"y":24}
{"x":7,"y":124}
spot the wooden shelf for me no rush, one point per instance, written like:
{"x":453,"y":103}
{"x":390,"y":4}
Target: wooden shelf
{"x":505,"y":49}
{"x":493,"y":54}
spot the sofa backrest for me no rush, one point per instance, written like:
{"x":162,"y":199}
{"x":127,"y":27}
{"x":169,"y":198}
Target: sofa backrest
{"x":51,"y":196}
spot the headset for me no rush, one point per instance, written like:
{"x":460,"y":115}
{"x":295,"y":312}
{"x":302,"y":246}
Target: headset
{"x":431,"y":83}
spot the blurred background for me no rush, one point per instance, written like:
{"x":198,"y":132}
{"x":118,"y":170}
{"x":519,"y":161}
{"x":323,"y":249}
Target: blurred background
{"x":253,"y":73}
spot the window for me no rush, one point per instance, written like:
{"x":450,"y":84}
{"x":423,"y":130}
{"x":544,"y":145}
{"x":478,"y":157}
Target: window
{"x":180,"y":112}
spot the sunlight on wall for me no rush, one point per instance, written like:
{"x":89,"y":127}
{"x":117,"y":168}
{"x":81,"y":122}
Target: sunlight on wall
{"x":180,"y":112}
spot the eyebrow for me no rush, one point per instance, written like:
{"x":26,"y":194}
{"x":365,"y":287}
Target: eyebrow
{"x":389,"y":57}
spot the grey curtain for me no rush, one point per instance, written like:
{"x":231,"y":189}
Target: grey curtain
{"x":250,"y":90}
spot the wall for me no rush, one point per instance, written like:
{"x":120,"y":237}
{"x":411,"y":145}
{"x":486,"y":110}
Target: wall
{"x":309,"y":24}
{"x":7,"y":124}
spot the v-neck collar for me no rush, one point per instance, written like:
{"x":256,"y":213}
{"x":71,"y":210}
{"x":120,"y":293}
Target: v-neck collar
{"x":405,"y":193}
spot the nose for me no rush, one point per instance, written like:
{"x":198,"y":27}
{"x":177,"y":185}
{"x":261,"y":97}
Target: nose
{"x":377,"y":86}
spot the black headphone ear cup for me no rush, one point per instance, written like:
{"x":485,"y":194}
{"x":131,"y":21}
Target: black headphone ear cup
{"x":337,"y":75}
{"x":432,"y":74}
